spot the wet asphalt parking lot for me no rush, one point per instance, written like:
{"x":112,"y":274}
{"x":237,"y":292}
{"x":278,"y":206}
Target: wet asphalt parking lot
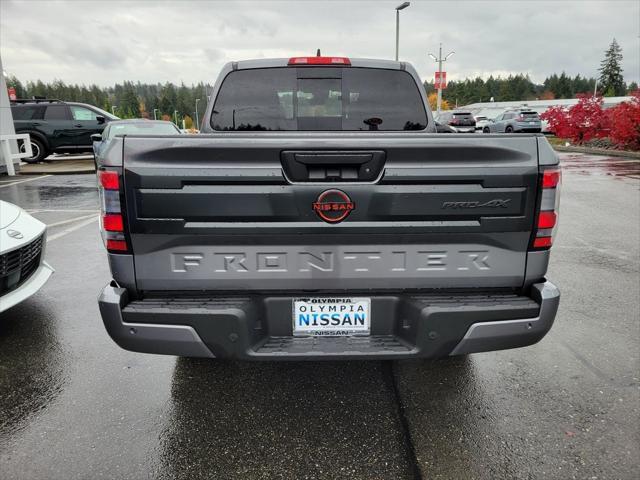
{"x":73,"y":405}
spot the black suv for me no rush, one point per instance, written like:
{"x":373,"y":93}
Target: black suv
{"x":56,"y":126}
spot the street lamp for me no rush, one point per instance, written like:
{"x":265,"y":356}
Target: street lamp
{"x":197,"y":121}
{"x":113,"y":109}
{"x":440,"y":60}
{"x":155,"y":116}
{"x":402,"y":6}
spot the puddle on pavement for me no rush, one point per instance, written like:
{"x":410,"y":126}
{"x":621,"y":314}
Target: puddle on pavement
{"x":600,"y":165}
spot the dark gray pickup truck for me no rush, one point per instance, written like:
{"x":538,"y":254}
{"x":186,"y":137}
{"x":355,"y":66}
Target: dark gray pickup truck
{"x":319,"y":216}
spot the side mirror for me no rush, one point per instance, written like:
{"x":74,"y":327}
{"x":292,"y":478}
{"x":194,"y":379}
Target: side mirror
{"x":100,"y":119}
{"x":96,"y":137}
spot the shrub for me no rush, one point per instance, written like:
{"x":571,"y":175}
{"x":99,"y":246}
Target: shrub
{"x":587,"y":120}
{"x":580,"y":123}
{"x":623,"y":123}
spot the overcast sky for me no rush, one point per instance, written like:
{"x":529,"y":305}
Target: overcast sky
{"x":109,"y":41}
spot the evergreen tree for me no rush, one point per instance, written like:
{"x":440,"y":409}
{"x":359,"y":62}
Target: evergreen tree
{"x":633,"y":86}
{"x":129,"y":106}
{"x":168,"y":99}
{"x":184,"y":102}
{"x":611,"y":81}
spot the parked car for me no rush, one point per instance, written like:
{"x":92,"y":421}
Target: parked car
{"x":546,"y":128}
{"x":515,"y":121}
{"x":23,"y":270}
{"x":481,"y":121}
{"x":440,"y":128}
{"x":337,"y":226}
{"x":459,"y":121}
{"x":56,"y":126}
{"x":140,"y":126}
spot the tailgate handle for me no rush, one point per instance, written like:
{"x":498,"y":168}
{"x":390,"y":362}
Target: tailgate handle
{"x":333,"y":166}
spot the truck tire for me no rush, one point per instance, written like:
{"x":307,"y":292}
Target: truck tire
{"x":38,"y":149}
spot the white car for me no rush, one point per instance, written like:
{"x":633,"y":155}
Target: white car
{"x":481,"y":122}
{"x":23,"y":270}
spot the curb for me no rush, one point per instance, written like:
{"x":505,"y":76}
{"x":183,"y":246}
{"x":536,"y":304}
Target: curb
{"x":58,"y":168}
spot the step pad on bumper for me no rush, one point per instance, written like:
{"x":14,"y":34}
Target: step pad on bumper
{"x":311,"y":346}
{"x":478,"y":300}
{"x":501,"y":306}
{"x":186,"y":303}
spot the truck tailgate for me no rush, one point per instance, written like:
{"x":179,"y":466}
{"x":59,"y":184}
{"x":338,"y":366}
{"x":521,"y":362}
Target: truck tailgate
{"x":229,"y":211}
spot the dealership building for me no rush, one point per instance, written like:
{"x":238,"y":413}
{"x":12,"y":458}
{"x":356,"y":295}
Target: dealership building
{"x":493,"y":109}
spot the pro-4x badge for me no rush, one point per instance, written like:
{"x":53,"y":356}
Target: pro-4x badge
{"x":496,"y":203}
{"x":333,"y":206}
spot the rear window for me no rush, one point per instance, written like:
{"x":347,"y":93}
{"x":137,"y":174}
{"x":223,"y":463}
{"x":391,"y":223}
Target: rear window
{"x":529,"y":115}
{"x":464,"y":119}
{"x":31,"y":112}
{"x":142,"y":128}
{"x":318,"y":98}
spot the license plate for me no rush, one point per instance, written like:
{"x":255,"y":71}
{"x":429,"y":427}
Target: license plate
{"x":331,"y":316}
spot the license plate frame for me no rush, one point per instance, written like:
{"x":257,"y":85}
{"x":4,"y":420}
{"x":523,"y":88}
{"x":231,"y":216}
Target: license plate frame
{"x":352,"y":314}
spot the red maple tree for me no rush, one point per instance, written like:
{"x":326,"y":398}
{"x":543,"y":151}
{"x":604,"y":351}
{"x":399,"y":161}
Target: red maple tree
{"x":588,"y":120}
{"x":623,"y":122}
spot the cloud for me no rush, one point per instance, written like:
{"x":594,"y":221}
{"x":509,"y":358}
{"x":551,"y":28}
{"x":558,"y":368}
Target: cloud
{"x":107,"y":42}
{"x":80,"y":53}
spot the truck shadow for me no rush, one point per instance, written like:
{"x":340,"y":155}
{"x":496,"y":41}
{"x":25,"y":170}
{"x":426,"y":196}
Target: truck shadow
{"x":284,"y":420}
{"x":296,"y":420}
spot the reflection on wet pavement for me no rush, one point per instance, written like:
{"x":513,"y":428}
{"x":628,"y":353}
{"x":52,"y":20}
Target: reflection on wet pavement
{"x":31,"y":367}
{"x":600,"y":165}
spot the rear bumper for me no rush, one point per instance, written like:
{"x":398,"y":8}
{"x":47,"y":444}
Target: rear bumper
{"x":527,"y":129}
{"x":426,"y":325}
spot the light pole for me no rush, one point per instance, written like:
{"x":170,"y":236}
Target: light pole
{"x":175,"y":116}
{"x":113,"y":109}
{"x":197,"y":122}
{"x":440,"y":60}
{"x":398,"y":8}
{"x":155,"y":116}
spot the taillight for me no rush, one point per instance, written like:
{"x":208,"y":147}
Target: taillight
{"x":319,"y":61}
{"x":112,"y":224}
{"x":109,"y":180}
{"x":117,"y":245}
{"x":547,"y":220}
